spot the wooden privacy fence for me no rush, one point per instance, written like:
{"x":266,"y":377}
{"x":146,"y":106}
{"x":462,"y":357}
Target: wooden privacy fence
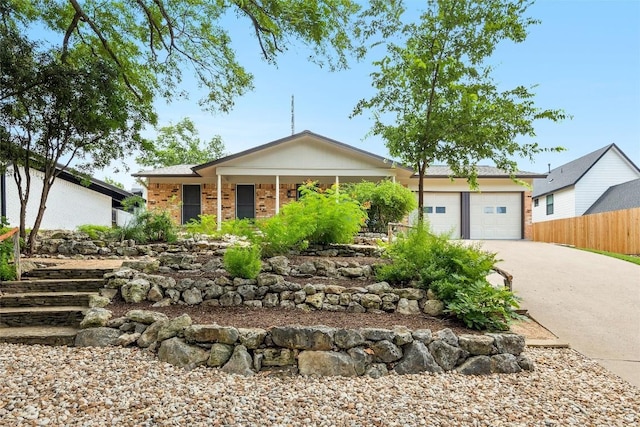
{"x":617,"y":231}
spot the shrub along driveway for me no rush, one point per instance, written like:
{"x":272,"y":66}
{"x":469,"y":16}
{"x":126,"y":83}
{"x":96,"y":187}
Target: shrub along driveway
{"x":590,"y":300}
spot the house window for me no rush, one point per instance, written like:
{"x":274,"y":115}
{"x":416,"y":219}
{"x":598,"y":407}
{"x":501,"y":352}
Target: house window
{"x":501,"y":209}
{"x":550,"y":204}
{"x":488,"y":209}
{"x":428,"y":209}
{"x":536,"y":202}
{"x":441,"y":209}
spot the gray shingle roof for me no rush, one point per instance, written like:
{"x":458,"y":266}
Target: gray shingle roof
{"x":177,"y":170}
{"x":568,"y":174}
{"x":618,"y":197}
{"x":444,"y":171}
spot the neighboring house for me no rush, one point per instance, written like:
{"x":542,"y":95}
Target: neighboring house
{"x":571,"y":189}
{"x":70,"y":203}
{"x":255,"y":183}
{"x":617,"y":198}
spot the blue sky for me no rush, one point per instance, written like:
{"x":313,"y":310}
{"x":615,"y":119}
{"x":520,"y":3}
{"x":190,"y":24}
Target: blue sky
{"x":584,"y":57}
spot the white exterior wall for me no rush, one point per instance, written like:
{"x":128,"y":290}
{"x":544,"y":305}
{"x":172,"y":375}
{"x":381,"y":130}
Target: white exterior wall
{"x":68,"y":205}
{"x":564,"y":202}
{"x":612,"y":169}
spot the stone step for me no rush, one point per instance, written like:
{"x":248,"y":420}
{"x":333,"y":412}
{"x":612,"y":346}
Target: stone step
{"x":66,"y":273}
{"x":43,"y":299}
{"x":41,"y":316}
{"x":43,"y":335}
{"x":52,"y":285}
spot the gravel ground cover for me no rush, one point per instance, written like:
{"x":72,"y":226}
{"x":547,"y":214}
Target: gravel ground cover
{"x":62,"y":386}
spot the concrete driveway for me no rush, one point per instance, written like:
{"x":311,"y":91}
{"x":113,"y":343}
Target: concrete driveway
{"x":589,"y":300}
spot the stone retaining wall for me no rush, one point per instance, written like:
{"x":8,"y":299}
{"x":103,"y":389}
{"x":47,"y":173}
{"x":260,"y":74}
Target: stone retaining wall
{"x":272,"y":288}
{"x":70,"y":243}
{"x":311,"y":350}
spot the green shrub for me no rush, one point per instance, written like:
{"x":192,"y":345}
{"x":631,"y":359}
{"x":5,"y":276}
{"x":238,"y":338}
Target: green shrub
{"x":335,"y":215}
{"x":240,"y":227}
{"x":7,"y":268}
{"x":132,"y":203}
{"x":385,"y":201}
{"x":288,"y":230}
{"x":243,"y":261}
{"x":481,"y":306}
{"x":320,"y":216}
{"x":147,"y":226}
{"x":205,"y":224}
{"x":408,"y":254}
{"x":455,"y":272}
{"x":95,"y":232}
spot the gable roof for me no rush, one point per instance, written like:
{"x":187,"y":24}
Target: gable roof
{"x":570,"y":173}
{"x":186,"y":170}
{"x":444,"y":171}
{"x":618,"y":197}
{"x":374,"y":157}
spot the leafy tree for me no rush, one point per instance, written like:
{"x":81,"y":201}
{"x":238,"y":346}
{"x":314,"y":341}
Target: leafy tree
{"x":52,"y":113}
{"x":143,"y":47}
{"x":385,"y":201}
{"x":180,"y":144}
{"x":113,"y":182}
{"x":436,"y":99}
{"x":151,"y":43}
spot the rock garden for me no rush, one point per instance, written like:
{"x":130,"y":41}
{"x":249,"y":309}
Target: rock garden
{"x":321,"y":311}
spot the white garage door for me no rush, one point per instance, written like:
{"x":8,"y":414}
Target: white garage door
{"x":495,"y":216}
{"x":443,"y":212}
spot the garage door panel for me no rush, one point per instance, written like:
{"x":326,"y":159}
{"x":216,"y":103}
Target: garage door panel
{"x":443,"y":212}
{"x":496,"y":216}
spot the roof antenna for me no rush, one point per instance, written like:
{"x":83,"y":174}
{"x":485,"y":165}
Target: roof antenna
{"x":293,"y":128}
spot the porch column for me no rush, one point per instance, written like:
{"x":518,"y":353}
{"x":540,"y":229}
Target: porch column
{"x":337,"y":186}
{"x":219,"y":195}
{"x":277,"y":194}
{"x":393,"y":179}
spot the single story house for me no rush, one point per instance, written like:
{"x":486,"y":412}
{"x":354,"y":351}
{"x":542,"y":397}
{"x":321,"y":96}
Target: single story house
{"x":572,"y":189}
{"x":255,"y":183}
{"x":70,"y":203}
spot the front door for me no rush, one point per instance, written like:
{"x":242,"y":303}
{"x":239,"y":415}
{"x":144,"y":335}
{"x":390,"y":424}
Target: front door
{"x":190,"y":202}
{"x":245,"y":201}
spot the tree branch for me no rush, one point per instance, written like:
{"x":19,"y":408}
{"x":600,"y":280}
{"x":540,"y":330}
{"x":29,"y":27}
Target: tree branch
{"x":105,"y":45}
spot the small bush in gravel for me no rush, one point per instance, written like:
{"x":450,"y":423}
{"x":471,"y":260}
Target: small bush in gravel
{"x":243,"y":261}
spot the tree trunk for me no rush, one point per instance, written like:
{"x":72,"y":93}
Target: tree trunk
{"x":422,"y":167}
{"x":46,"y":187}
{"x":23,"y":196}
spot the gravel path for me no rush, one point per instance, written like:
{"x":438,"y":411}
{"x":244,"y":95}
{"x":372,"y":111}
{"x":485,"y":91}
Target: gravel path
{"x":62,"y":386}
